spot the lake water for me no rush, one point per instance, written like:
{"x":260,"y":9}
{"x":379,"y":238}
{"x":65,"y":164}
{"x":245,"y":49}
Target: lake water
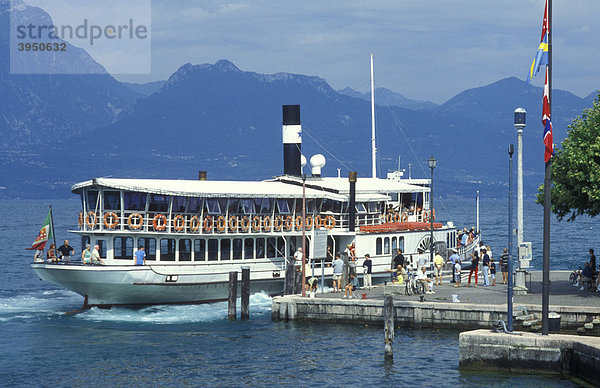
{"x":198,"y":346}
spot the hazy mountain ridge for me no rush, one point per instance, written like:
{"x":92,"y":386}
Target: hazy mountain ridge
{"x":384,"y":96}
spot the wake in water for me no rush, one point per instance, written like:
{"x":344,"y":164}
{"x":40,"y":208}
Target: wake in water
{"x":36,"y":305}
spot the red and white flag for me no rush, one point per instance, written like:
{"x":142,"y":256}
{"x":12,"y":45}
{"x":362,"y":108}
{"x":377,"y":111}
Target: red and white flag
{"x":548,"y":143}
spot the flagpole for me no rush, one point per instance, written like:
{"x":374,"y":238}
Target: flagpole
{"x":547,"y":195}
{"x":52,"y":226}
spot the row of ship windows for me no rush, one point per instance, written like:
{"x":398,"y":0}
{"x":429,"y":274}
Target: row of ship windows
{"x":136,"y":201}
{"x":169,"y":249}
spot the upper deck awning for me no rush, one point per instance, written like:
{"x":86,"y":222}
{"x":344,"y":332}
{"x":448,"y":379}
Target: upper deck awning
{"x":220,"y":189}
{"x":364,"y":186}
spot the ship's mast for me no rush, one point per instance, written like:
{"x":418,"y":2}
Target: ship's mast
{"x":374,"y":149}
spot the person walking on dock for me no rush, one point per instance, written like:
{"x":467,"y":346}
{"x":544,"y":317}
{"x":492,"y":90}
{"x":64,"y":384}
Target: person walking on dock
{"x":338,"y":270}
{"x":474,"y":268}
{"x":367,"y":265}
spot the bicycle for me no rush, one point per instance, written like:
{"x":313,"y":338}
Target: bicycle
{"x":574,"y":276}
{"x":413,"y":286}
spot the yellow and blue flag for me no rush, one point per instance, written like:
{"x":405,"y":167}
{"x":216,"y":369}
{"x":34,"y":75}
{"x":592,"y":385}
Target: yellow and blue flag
{"x":541,"y":57}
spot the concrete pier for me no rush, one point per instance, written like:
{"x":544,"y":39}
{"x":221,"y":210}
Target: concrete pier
{"x":557,"y":354}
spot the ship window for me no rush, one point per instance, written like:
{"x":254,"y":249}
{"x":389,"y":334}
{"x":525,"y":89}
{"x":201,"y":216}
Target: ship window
{"x":167,"y":249}
{"x":92,"y":199}
{"x":280,"y":247}
{"x":372,"y":207}
{"x":212,"y":206}
{"x":257,"y":204}
{"x":282,"y":206}
{"x":179,"y":204}
{"x":135,"y":201}
{"x":234,"y":205}
{"x":213,"y":249}
{"x":271,"y":247}
{"x":267,"y":205}
{"x":247,"y":206}
{"x":248,"y":248}
{"x":327,"y":205}
{"x":401,"y":243}
{"x":237,"y":249}
{"x":195,"y":205}
{"x":85,"y":240}
{"x":311,"y":205}
{"x":185,"y":250}
{"x":225,"y":249}
{"x":386,"y":245}
{"x":158,"y":203}
{"x":337,"y":207}
{"x":260,"y":248}
{"x":360,"y":208}
{"x":199,"y":250}
{"x":112,"y":200}
{"x":149,"y":245}
{"x":394,"y":244}
{"x":123,"y":248}
{"x":102,"y":246}
{"x":378,"y":247}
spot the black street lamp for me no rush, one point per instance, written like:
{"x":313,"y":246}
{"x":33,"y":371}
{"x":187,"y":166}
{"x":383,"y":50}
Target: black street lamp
{"x":431,"y":162}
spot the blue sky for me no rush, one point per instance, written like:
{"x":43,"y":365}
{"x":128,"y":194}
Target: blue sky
{"x":424,"y":49}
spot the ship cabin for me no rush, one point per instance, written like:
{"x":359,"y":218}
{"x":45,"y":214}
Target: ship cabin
{"x":204,"y":220}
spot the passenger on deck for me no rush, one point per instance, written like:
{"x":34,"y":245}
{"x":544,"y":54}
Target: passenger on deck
{"x":96,"y":260}
{"x":86,"y":255}
{"x":140,"y":256}
{"x":351,"y":251}
{"x":51,"y":254}
{"x":39,"y":256}
{"x":464,"y":239}
{"x":66,"y":251}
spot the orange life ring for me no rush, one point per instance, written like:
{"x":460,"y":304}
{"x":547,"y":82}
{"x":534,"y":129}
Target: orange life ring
{"x":404,"y":216}
{"x":425,"y":216}
{"x":256,"y":224}
{"x":80,"y":220}
{"x":208,"y":224}
{"x":131,"y":224}
{"x":159,"y":225}
{"x":233,"y":223}
{"x":308,"y":223}
{"x":267,"y":223}
{"x":318,"y":222}
{"x":245,"y":224}
{"x":289,"y":224}
{"x":115,"y":220}
{"x":194,"y":223}
{"x":329,"y":222}
{"x":277,"y":223}
{"x":299,"y":223}
{"x":221,"y":223}
{"x":91,"y":220}
{"x":178,"y":223}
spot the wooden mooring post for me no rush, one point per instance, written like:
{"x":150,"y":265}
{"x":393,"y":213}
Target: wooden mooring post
{"x":245,"y":312}
{"x":388,"y":316}
{"x":232,"y":295}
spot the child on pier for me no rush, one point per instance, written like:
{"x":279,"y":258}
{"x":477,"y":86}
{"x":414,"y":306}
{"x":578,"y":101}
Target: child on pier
{"x":457,"y":270}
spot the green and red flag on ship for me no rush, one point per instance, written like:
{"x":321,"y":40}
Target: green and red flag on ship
{"x":45,"y":233}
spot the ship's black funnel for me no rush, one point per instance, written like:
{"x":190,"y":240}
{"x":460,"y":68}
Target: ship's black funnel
{"x":292,"y":140}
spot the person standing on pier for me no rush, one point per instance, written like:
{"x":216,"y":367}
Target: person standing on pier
{"x":453,"y":259}
{"x":457,"y":273}
{"x":367,"y":265}
{"x":438,"y":263}
{"x":504,"y":266}
{"x":338,"y":270}
{"x":474,"y":268}
{"x":486,"y":267}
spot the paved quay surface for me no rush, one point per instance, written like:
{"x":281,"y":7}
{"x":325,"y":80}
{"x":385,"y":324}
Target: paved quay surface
{"x":562,"y":293}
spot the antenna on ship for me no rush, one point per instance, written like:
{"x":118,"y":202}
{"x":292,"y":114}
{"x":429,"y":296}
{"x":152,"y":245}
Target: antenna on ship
{"x":374,"y":149}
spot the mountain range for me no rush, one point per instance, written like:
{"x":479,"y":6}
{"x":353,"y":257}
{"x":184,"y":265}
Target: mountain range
{"x":60,"y":129}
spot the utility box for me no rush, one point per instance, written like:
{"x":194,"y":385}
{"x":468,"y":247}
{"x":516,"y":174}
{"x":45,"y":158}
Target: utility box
{"x":525,"y":255}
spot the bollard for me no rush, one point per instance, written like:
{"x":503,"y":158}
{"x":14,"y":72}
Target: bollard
{"x":232,"y":295}
{"x":388,"y":316}
{"x":245,"y":311}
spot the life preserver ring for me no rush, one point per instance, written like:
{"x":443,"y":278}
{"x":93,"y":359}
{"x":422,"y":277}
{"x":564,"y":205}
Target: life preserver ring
{"x":159,"y":222}
{"x":329,"y":222}
{"x":244,"y":223}
{"x":404,"y":216}
{"x":91,"y":220}
{"x":233,"y":223}
{"x":308,"y":223}
{"x":256,"y":224}
{"x":208,"y":224}
{"x":425,"y":216}
{"x":80,"y":220}
{"x":115,"y":220}
{"x":277,"y":223}
{"x":318,"y":222}
{"x":131,"y":224}
{"x":194,"y":223}
{"x":289,"y":223}
{"x":267,"y":223}
{"x":299,"y":223}
{"x":178,"y":223}
{"x":221,"y":223}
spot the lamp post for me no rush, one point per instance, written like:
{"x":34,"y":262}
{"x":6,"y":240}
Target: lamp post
{"x":509,"y":317}
{"x":520,"y":117}
{"x":431,"y":162}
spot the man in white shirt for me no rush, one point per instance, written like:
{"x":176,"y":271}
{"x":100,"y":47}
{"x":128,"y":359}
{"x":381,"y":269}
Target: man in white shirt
{"x":422,"y":277}
{"x":96,"y":256}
